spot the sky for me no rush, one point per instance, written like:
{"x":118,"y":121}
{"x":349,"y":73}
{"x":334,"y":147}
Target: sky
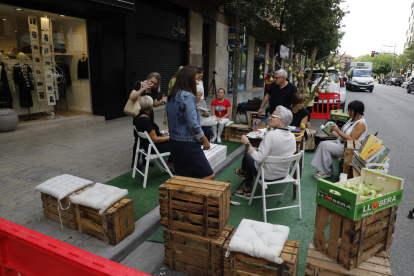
{"x":370,"y":24}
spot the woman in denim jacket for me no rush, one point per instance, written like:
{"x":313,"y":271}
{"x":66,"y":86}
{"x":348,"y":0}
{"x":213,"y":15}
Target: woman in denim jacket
{"x":186,"y":135}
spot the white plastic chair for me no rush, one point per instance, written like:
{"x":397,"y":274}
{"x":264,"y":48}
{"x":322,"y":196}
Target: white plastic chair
{"x":288,"y":179}
{"x":156,"y":157}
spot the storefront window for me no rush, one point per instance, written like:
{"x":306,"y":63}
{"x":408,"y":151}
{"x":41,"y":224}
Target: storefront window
{"x":44,"y":64}
{"x":242,"y":71}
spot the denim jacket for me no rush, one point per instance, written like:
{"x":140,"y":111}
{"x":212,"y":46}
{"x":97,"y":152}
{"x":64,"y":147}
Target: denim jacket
{"x":184,"y":118}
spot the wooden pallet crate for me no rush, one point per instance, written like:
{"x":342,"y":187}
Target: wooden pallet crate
{"x":193,"y":254}
{"x":50,"y":209}
{"x":349,"y":147}
{"x":236,"y":131}
{"x":351,"y":242}
{"x":195,"y":206}
{"x":112,"y":227}
{"x":216,"y":154}
{"x":318,"y":264}
{"x":241,"y":264}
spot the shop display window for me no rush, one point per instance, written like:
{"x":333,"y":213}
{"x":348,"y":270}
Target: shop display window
{"x":242,"y":71}
{"x":44,"y":64}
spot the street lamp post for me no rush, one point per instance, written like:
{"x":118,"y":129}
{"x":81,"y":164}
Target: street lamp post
{"x":392,"y":56}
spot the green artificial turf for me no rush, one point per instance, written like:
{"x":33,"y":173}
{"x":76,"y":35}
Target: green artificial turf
{"x":301,"y":230}
{"x":145,"y":200}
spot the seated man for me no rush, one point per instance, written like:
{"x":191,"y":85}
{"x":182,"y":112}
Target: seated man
{"x":143,"y":122}
{"x":279,"y":142}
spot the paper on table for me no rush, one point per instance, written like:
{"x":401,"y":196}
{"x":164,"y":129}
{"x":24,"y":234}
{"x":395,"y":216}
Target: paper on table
{"x":257,"y":134}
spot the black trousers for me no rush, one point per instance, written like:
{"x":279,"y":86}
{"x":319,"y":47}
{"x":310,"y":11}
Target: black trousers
{"x":249,"y":169}
{"x":161,"y":147}
{"x":207,"y":132}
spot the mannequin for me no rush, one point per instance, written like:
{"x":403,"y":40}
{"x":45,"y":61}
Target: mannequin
{"x":6,"y":100}
{"x":22,"y":74}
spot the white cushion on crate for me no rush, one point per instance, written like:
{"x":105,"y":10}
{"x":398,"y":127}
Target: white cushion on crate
{"x":100,"y":197}
{"x":259,"y":239}
{"x":63,"y":185}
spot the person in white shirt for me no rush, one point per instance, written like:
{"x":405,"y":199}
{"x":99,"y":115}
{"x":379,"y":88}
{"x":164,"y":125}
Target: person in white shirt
{"x":279,"y":142}
{"x":199,"y":82}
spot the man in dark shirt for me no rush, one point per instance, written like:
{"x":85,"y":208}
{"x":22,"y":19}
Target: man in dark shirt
{"x":280,"y":93}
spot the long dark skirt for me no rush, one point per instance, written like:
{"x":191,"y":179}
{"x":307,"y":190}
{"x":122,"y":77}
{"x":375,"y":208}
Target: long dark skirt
{"x":189,"y":159}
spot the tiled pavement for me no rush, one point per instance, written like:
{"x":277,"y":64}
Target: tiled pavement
{"x":99,"y":152}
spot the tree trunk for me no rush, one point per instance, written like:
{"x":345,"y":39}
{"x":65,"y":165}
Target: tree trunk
{"x":236,"y":63}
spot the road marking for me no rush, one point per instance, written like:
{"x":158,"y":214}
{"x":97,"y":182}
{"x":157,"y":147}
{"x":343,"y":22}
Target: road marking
{"x":396,"y":95}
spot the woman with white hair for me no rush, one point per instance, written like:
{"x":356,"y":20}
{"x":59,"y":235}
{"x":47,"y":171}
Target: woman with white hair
{"x":279,"y":142}
{"x":143,"y":122}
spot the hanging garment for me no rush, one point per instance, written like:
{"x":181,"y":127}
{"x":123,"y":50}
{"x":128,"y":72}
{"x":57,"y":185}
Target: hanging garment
{"x":6,"y":100}
{"x":63,"y":78}
{"x":23,"y":77}
{"x":83,"y":71}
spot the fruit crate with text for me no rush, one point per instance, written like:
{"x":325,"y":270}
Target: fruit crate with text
{"x":112,"y":227}
{"x":318,"y":264}
{"x":238,"y":263}
{"x":338,"y":115}
{"x":68,"y":216}
{"x":350,"y":242}
{"x":349,"y":203}
{"x":194,"y":254}
{"x":195,"y":206}
{"x":237,"y":131}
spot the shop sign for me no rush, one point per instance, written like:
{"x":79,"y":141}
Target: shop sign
{"x":178,"y":30}
{"x":232,"y":37}
{"x":127,"y":4}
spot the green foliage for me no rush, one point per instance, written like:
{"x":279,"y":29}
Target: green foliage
{"x":382,"y":63}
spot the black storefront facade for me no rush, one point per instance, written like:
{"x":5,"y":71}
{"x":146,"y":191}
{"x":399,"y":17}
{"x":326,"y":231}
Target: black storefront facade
{"x":124,"y":41}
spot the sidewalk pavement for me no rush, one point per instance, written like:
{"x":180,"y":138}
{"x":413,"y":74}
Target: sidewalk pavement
{"x":87,"y":147}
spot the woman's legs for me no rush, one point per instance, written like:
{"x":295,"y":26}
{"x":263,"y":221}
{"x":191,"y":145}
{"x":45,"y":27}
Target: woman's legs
{"x":325,"y":156}
{"x":164,"y":147}
{"x":220,"y":128}
{"x":250,"y":171}
{"x":207,"y":132}
{"x":214,"y":127}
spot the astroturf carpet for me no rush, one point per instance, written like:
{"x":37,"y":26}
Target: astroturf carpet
{"x":301,"y":230}
{"x":145,"y":200}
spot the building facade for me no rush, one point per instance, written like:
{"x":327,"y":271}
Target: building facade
{"x":410,"y":31}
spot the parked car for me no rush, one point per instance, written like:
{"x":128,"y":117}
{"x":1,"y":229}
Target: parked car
{"x":392,"y":81}
{"x":333,"y":86}
{"x":404,"y":85}
{"x":399,"y":81}
{"x":410,"y":84}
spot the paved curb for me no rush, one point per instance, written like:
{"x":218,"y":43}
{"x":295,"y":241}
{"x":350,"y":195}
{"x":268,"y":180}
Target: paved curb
{"x":148,"y":224}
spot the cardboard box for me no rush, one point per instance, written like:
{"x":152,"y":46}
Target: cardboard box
{"x":338,"y":115}
{"x":348,"y":203}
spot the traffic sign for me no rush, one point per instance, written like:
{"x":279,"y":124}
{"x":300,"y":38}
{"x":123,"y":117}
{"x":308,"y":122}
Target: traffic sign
{"x":376,"y":53}
{"x":394,"y":72}
{"x":402,"y":67}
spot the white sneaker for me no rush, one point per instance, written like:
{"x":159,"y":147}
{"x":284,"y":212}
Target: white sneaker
{"x":213,"y":139}
{"x":218,"y":139}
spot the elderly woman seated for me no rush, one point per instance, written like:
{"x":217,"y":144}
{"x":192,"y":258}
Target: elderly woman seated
{"x":327,"y":151}
{"x":279,"y":142}
{"x":143,"y":122}
{"x":206,"y":120}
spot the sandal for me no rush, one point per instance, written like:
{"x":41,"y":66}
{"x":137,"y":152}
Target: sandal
{"x":320,"y":175}
{"x":238,"y":174}
{"x":243,"y":194}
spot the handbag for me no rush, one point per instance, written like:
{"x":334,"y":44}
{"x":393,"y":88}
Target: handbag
{"x":132,"y":108}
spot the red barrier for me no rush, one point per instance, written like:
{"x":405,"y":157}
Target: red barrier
{"x":28,"y":253}
{"x":325,"y":103}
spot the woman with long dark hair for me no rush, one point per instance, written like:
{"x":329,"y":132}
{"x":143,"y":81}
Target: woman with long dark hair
{"x":186,"y":135}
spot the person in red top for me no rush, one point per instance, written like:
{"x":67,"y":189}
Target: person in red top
{"x":268,"y":82}
{"x":220,"y":108}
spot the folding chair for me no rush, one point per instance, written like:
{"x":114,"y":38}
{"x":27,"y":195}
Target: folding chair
{"x":260,"y":178}
{"x":156,"y":157}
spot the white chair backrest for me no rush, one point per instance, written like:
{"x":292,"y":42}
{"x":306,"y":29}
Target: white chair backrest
{"x":142,"y":135}
{"x":278,"y":160}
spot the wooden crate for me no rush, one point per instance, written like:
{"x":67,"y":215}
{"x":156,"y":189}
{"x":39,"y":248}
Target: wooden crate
{"x":241,"y":264}
{"x":216,"y":154}
{"x":195,"y":206}
{"x":194,"y":254}
{"x":349,"y":147}
{"x":237,"y":131}
{"x":318,"y":264}
{"x":112,"y":227}
{"x":50,"y":209}
{"x":353,"y":242}
{"x":225,"y":133}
